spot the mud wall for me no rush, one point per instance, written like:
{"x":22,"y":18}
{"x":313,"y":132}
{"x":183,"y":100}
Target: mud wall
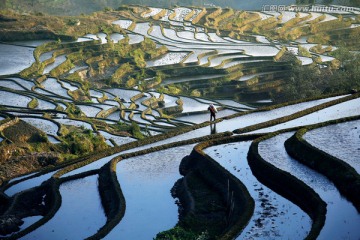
{"x":234,"y":194}
{"x":288,"y":186}
{"x":345,"y":177}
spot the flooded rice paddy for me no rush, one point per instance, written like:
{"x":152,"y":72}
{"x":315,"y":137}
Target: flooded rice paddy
{"x":75,"y":219}
{"x":346,"y":221}
{"x":274,"y":217}
{"x":146,"y":180}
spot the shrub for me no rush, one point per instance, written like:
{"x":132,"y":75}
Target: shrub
{"x":304,"y":52}
{"x":311,"y":81}
{"x":82,"y":141}
{"x":73,"y":22}
{"x":39,"y":138}
{"x":33,"y":103}
{"x":135,"y":131}
{"x":139,"y":58}
{"x":179,"y":233}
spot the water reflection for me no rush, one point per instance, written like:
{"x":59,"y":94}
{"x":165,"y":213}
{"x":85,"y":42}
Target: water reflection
{"x":274,"y":216}
{"x":213,"y":128}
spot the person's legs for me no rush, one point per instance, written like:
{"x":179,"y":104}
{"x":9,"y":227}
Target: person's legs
{"x":212,"y":115}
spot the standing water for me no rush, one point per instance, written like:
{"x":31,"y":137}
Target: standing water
{"x":274,"y":216}
{"x":342,"y":220}
{"x":80,"y":214}
{"x":146,"y":182}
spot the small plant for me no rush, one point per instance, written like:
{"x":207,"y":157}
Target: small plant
{"x":304,"y":52}
{"x":73,"y":22}
{"x":135,"y":130}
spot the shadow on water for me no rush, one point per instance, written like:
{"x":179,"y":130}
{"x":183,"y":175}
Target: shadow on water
{"x":146,"y":182}
{"x":80,"y":214}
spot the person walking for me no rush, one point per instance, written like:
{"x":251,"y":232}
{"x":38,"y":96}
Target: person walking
{"x":213,"y":112}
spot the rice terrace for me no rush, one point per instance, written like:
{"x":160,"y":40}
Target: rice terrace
{"x":105,"y":128}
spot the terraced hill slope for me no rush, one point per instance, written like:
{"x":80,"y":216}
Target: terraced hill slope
{"x":100,"y":124}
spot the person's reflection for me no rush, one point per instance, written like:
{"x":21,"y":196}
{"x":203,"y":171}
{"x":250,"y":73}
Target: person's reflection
{"x":213,"y":128}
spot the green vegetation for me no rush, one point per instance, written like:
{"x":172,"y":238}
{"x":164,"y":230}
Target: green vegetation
{"x":82,"y":141}
{"x":30,"y":150}
{"x":33,"y":26}
{"x":311,"y":80}
{"x":180,"y":233}
{"x":211,"y":213}
{"x":136,"y":131}
{"x":124,"y":65}
{"x":33,"y":103}
{"x":304,"y":52}
{"x":73,"y":110}
{"x":76,"y":7}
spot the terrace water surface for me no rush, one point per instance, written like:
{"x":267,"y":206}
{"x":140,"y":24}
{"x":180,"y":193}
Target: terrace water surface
{"x":232,"y":103}
{"x":11,"y":85}
{"x":13,"y":59}
{"x":123,"y":93}
{"x":137,"y":118}
{"x":146,"y":182}
{"x":341,"y":110}
{"x":181,"y":13}
{"x":46,"y":55}
{"x":69,"y":86}
{"x":274,"y":217}
{"x":44,"y":125}
{"x":75,"y":123}
{"x":153,"y":12}
{"x":252,"y":118}
{"x":42,"y":104}
{"x":80,"y":214}
{"x":58,"y":60}
{"x":203,"y":117}
{"x":28,"y":84}
{"x":168,"y":59}
{"x":7,"y":98}
{"x":215,"y":38}
{"x":52,"y":85}
{"x":27,"y":184}
{"x":89,"y":110}
{"x":114,"y":116}
{"x":339,"y":140}
{"x":170,"y":80}
{"x":218,"y":60}
{"x":192,"y":105}
{"x":342,"y":219}
{"x":119,"y":140}
{"x":186,"y":35}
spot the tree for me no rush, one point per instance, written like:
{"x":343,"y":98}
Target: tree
{"x":327,"y":2}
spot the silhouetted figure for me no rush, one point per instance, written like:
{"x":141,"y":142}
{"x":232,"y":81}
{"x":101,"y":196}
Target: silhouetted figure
{"x":213,"y":128}
{"x":213,"y":112}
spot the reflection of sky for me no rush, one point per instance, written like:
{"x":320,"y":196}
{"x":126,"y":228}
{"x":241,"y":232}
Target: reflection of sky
{"x":146,"y":182}
{"x":340,"y":140}
{"x":340,"y":212}
{"x":80,"y":214}
{"x":285,"y":220}
{"x":13,"y":59}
